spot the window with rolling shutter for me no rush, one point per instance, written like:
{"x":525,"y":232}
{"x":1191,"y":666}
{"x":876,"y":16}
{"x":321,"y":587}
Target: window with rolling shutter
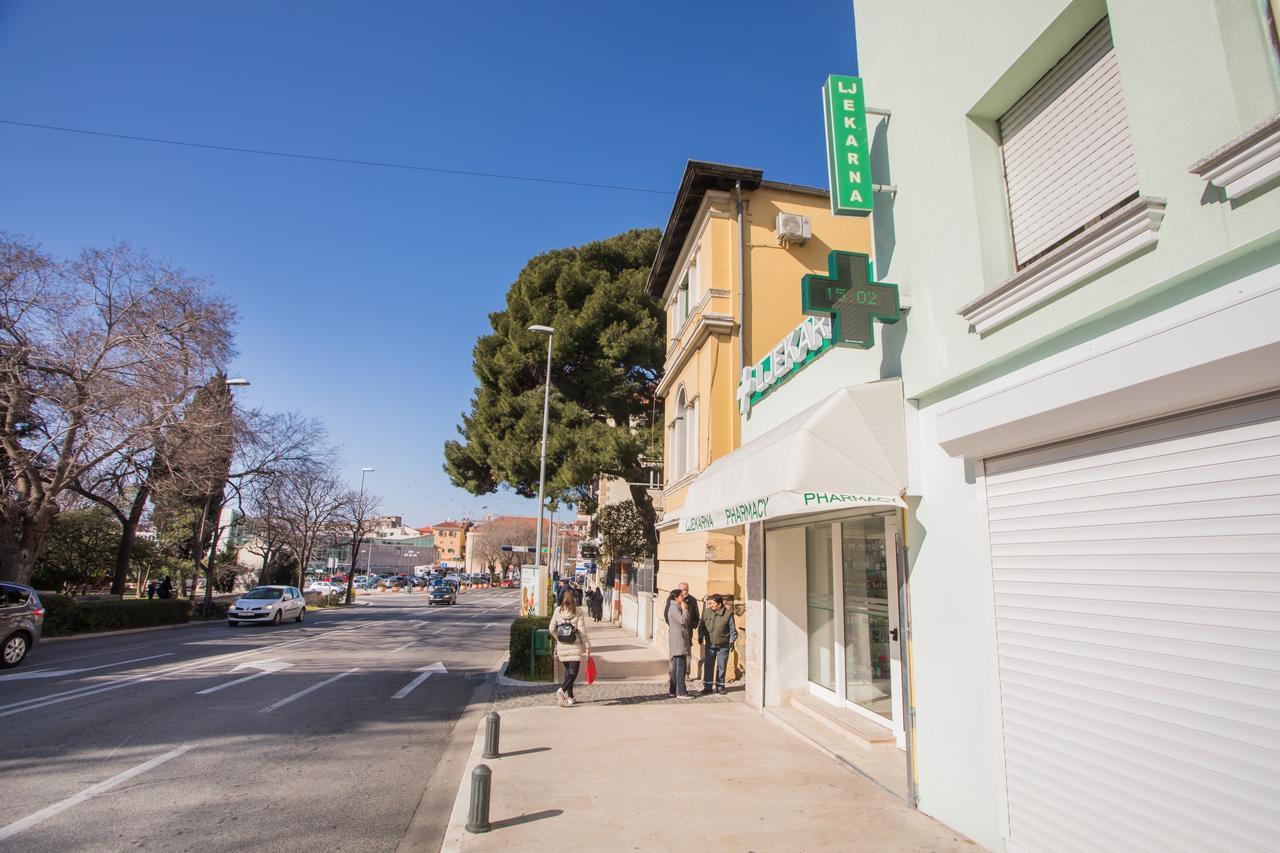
{"x":1068,"y":158}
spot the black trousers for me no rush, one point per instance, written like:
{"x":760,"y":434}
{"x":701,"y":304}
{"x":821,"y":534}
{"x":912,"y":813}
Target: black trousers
{"x":570,"y":676}
{"x":679,"y":668}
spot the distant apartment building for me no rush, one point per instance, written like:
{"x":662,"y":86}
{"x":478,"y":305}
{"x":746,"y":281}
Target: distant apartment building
{"x":450,"y":538}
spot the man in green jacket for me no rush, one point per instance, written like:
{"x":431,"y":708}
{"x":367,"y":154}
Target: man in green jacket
{"x":718,"y":633}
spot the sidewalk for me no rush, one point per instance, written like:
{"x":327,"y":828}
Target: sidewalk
{"x":622,"y":656}
{"x":612,"y":772}
{"x":609,"y":774}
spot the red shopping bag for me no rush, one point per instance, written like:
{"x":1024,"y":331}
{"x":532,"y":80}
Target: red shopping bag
{"x":591,"y":670}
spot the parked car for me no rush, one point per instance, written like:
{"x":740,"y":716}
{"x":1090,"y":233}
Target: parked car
{"x":443,"y":593}
{"x":21,"y":622}
{"x":323,"y":586}
{"x":271,"y":604}
{"x":419,"y":582}
{"x":398,"y":582}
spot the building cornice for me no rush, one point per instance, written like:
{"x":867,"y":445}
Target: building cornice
{"x":705,"y":326}
{"x":1246,"y":162}
{"x":1121,"y":235}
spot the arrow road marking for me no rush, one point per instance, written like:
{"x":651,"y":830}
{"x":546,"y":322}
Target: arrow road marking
{"x":286,"y":700}
{"x":57,"y":673}
{"x":264,"y":667}
{"x":427,"y":672}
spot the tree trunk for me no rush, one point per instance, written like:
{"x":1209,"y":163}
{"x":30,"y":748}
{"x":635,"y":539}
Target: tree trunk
{"x":266,"y":562}
{"x":20,"y":547}
{"x":209,"y":567}
{"x":128,"y":533}
{"x":351,"y":572}
{"x":644,"y":503}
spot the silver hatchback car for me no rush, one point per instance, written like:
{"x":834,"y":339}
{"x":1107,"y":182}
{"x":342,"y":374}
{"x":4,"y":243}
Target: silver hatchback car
{"x":21,"y":622}
{"x":271,"y":604}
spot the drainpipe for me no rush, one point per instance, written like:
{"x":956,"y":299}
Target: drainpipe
{"x":742,"y":288}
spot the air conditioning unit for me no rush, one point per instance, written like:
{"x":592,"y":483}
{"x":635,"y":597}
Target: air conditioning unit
{"x":793,"y":228}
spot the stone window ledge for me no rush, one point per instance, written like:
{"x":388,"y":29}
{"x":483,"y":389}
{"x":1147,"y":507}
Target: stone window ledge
{"x":1119,"y":236}
{"x":1244,"y":163}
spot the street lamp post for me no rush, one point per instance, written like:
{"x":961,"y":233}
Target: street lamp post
{"x":546,"y":410}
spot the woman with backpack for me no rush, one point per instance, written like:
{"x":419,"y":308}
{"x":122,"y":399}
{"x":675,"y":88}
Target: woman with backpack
{"x":572,"y":644}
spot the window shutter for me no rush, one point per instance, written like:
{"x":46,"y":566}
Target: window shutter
{"x":1068,"y":157}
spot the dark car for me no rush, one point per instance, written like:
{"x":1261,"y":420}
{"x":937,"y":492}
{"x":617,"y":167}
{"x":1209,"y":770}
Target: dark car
{"x":397,"y":582}
{"x":443,"y":593}
{"x":21,"y":621}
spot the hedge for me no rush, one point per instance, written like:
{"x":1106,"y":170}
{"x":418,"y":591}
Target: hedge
{"x":64,"y":615}
{"x":522,"y":628}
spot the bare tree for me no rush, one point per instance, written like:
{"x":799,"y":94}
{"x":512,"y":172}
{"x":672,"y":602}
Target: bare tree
{"x":268,"y":449}
{"x":493,"y":534}
{"x":357,"y":518}
{"x":96,"y":355}
{"x":310,"y":497}
{"x":123,"y":487}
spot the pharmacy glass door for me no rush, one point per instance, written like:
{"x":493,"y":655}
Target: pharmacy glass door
{"x":854,"y":657}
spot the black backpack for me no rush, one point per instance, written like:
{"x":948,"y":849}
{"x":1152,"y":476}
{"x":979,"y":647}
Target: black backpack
{"x":566,"y":633}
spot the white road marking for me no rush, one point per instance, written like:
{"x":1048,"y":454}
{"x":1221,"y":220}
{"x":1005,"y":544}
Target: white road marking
{"x":101,"y":654}
{"x":92,"y":791}
{"x":427,"y":672}
{"x":94,"y":689}
{"x":264,"y":667}
{"x":56,"y":673}
{"x":286,"y":700}
{"x":402,"y":648}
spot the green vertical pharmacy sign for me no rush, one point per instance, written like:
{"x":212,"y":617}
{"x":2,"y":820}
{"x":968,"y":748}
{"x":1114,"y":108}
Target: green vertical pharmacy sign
{"x":848,"y":156}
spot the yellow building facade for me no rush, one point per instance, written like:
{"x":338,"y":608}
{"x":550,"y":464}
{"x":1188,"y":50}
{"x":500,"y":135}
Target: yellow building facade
{"x":728,"y":281}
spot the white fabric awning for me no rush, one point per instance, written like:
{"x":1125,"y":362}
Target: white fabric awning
{"x":848,"y":450}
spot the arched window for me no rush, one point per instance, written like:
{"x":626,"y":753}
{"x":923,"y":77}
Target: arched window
{"x":680,"y":457}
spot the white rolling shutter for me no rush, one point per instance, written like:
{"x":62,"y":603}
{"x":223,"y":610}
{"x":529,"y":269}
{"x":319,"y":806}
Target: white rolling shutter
{"x":1067,"y":153}
{"x":1137,"y":598}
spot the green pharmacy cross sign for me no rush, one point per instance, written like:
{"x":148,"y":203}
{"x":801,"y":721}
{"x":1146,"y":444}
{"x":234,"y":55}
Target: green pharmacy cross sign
{"x":851,"y":297}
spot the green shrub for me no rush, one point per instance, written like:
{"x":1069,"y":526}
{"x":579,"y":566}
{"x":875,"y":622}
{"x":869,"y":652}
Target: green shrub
{"x":522,"y":628}
{"x":216,"y":610}
{"x":64,"y":615}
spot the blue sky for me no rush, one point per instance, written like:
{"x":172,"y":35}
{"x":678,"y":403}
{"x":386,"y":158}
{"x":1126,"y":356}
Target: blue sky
{"x":362,"y":290}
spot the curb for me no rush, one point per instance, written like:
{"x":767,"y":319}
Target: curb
{"x":100,"y":634}
{"x":418,"y":835}
{"x":97,"y":635}
{"x":505,"y":681}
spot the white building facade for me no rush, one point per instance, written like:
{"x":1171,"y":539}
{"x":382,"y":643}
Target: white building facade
{"x":1087,"y":221}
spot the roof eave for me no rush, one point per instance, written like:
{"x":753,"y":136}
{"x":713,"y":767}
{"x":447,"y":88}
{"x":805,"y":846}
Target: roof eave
{"x":699,"y":177}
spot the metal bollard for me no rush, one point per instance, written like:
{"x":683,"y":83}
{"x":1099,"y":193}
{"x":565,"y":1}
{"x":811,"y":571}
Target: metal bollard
{"x":492,"y":728}
{"x":478,"y":817}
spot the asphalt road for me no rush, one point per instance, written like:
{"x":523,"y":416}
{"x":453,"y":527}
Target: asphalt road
{"x":321,"y":736}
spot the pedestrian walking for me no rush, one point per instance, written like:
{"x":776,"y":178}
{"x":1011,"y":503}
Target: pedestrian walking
{"x":718,"y":633}
{"x":151,"y":590}
{"x":572,"y":643}
{"x":597,"y":604}
{"x":677,"y":617}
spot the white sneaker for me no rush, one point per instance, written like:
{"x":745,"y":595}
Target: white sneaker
{"x":569,"y":701}
{"x":560,"y":697}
